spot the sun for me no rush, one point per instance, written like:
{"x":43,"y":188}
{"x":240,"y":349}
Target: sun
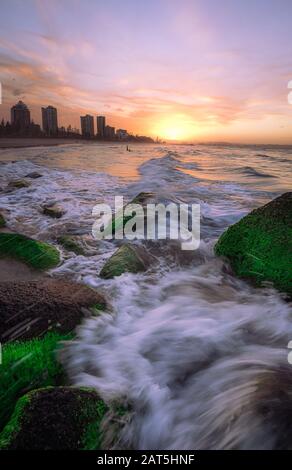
{"x":173,"y":133}
{"x":176,"y":128}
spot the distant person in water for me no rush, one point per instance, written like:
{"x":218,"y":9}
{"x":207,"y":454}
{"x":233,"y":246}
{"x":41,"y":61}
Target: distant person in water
{"x":128,"y":149}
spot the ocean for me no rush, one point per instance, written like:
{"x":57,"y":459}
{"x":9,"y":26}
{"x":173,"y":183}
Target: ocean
{"x":196,"y":356}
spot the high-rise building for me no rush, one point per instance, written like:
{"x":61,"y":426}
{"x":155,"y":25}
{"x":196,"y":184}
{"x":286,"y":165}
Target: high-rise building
{"x":109,"y":132}
{"x":50,"y":120}
{"x":20,"y":116}
{"x":87,"y":125}
{"x":100,"y":121}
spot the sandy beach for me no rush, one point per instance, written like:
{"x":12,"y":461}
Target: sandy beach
{"x":30,"y":142}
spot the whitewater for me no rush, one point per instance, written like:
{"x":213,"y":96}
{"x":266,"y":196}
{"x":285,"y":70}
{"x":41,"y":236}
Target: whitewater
{"x":196,"y":357}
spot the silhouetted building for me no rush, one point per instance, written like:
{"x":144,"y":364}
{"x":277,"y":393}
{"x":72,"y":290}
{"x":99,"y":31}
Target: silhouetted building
{"x":20,"y":116}
{"x":22,"y":126}
{"x":122,"y":134}
{"x":50,"y":120}
{"x":62,"y":131}
{"x":72,"y":131}
{"x":87,"y":125}
{"x":68,"y":132}
{"x":109,"y":132}
{"x":5,"y":129}
{"x":34,"y":130}
{"x":100,"y":121}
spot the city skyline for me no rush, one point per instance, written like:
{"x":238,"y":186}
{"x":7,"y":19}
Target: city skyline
{"x":20,"y":114}
{"x":164,"y":68}
{"x":22,"y":124}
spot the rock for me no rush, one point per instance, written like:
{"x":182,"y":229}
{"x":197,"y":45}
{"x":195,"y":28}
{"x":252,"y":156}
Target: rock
{"x":259,"y":246}
{"x":30,"y":309}
{"x":28,"y":365}
{"x":55,"y":418}
{"x":71,"y":244}
{"x":13,"y":270}
{"x":270,"y":395}
{"x":120,"y":220}
{"x":128,"y":258}
{"x":33,"y":175}
{"x":2,"y":221}
{"x":18,"y":184}
{"x":54,"y":211}
{"x":38,"y":255}
{"x":142,"y":198}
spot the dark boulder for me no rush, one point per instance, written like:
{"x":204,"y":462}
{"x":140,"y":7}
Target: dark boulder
{"x":53,"y":210}
{"x":259,"y":246}
{"x":55,"y":418}
{"x":34,"y":175}
{"x":31,"y":309}
{"x":128,"y":258}
{"x":2,"y":221}
{"x":17,"y":184}
{"x":71,"y":244}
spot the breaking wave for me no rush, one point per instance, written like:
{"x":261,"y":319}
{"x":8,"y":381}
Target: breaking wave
{"x":197,"y":357}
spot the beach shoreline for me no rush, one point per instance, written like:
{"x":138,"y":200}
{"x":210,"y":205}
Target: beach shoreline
{"x":22,"y":142}
{"x":26,"y":142}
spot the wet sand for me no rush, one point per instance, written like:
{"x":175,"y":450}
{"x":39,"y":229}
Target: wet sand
{"x":30,"y":142}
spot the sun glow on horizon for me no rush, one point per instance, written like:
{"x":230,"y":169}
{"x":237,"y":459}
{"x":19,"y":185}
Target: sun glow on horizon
{"x":176,"y":127}
{"x":164,"y":69}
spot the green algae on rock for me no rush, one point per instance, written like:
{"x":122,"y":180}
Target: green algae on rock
{"x":128,"y":258}
{"x":120,"y":219}
{"x":142,"y":198}
{"x":98,"y":308}
{"x":38,"y":255}
{"x":70,"y":244}
{"x":28,"y":365}
{"x":54,"y":211}
{"x":259,"y":246}
{"x":18,"y":184}
{"x":55,"y":418}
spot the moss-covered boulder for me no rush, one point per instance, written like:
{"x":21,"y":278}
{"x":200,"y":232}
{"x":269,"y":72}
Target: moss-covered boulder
{"x":38,"y":255}
{"x":142,"y":198}
{"x":2,"y":221}
{"x":17,"y":184}
{"x":120,"y":220}
{"x":28,"y":365}
{"x":71,"y":244}
{"x":53,"y":210}
{"x":259,"y":246}
{"x":30,"y":309}
{"x":128,"y":258}
{"x":55,"y":418}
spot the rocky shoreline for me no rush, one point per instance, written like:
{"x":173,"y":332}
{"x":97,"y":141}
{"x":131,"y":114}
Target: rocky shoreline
{"x":39,"y":408}
{"x":38,"y":312}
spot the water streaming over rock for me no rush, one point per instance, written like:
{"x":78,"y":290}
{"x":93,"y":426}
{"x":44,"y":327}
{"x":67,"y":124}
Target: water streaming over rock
{"x":198,"y":356}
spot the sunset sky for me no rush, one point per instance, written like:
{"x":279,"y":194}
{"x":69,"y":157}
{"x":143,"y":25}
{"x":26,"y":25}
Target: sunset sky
{"x":192,"y":70}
